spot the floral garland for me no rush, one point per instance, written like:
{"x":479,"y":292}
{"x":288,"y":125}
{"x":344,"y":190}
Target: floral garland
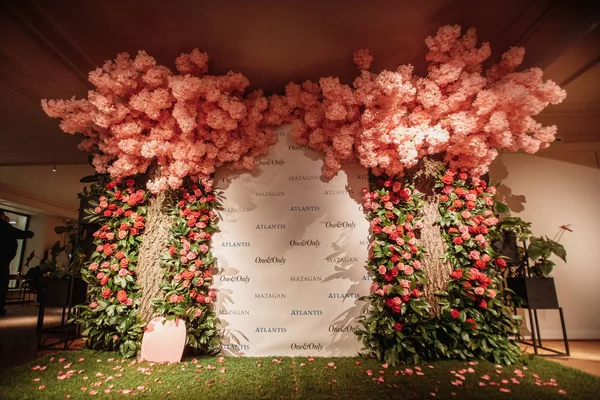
{"x":398,"y":312}
{"x":476,"y":322}
{"x":110,"y":321}
{"x":187,"y":265}
{"x":474,"y":306}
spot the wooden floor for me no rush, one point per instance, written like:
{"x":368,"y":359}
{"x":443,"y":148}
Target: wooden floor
{"x":18,"y":341}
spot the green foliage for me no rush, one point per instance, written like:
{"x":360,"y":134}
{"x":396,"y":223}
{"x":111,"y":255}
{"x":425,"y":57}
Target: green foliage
{"x":539,"y":251}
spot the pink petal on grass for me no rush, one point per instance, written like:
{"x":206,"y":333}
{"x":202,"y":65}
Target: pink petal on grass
{"x":356,"y":362}
{"x":62,"y":359}
{"x":486,"y":377}
{"x":42,"y":387}
{"x":482,"y":384}
{"x":420,"y":373}
{"x":504,"y":390}
{"x":303,"y":364}
{"x":385,"y":365}
{"x":562,"y":391}
{"x":223,"y":370}
{"x":369,"y":372}
{"x":221,"y":360}
{"x":92,"y":392}
{"x":331,"y":364}
{"x":35,"y":380}
{"x":311,"y":359}
{"x":81,"y":359}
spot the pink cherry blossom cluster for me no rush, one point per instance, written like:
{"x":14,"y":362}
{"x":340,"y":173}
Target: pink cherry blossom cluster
{"x":143,"y":116}
{"x":388,"y":121}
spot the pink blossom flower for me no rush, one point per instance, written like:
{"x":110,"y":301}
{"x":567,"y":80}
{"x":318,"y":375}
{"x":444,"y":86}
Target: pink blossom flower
{"x":474,"y":255}
{"x":382,"y":269}
{"x":123,"y":272}
{"x":408,"y":270}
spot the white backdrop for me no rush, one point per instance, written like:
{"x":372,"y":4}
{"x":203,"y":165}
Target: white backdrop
{"x":291,"y":255}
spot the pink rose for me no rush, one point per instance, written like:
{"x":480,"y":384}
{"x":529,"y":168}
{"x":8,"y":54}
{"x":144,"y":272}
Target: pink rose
{"x":123,"y":272}
{"x":183,"y":260}
{"x":186,"y":283}
{"x":177,"y":278}
{"x":197,"y":313}
{"x":406,"y":255}
{"x":408,"y":270}
{"x":93,"y":305}
{"x":465,"y":214}
{"x":419,"y":225}
{"x":382,"y":269}
{"x":110,"y":236}
{"x":491,"y":293}
{"x":100,"y":275}
{"x":203,"y":248}
{"x":463,"y":229}
{"x":122,"y":234}
{"x":416,"y":265}
{"x":93,"y":266}
{"x":374,"y":287}
{"x":400,"y":241}
{"x":479,"y":291}
{"x":191,"y":256}
{"x":173,"y":298}
{"x":129,"y":301}
{"x":471,"y":197}
{"x":486,"y":258}
{"x":379,"y":292}
{"x":474,"y":255}
{"x":405,"y":283}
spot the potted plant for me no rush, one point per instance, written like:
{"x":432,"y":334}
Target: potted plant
{"x":531,"y":281}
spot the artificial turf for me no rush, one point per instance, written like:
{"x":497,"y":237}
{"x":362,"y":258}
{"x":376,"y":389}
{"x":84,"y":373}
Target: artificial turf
{"x":80,"y":374}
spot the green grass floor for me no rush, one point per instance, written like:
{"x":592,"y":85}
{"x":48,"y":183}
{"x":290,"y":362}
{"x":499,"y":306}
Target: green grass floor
{"x":81,"y":374}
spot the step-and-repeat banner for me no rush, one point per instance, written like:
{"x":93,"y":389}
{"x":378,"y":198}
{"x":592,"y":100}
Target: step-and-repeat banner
{"x":291,"y":256}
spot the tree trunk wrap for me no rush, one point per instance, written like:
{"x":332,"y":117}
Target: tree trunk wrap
{"x":436,"y":270}
{"x":149,"y":271}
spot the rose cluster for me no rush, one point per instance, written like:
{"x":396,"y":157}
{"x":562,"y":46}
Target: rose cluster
{"x":474,"y":301}
{"x":188,"y":261}
{"x":110,"y":274}
{"x":395,"y":264}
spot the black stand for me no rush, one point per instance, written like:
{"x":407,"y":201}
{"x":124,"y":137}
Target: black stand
{"x":66,"y":332}
{"x":539,"y":293}
{"x":536,"y":338}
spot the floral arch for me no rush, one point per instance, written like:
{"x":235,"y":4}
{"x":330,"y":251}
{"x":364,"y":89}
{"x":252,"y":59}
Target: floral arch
{"x":424,"y":140}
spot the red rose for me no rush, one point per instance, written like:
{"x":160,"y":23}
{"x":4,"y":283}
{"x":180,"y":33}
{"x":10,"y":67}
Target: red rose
{"x":127,"y":213}
{"x":106,"y":293}
{"x":473,"y":229}
{"x":134,"y":232}
{"x":138,"y":224}
{"x":447,"y":179}
{"x":457,"y":240}
{"x":398,"y":326}
{"x":394,"y":272}
{"x":410,"y":234}
{"x":389,"y":302}
{"x":471,"y":205}
{"x":111,"y":185}
{"x":501,"y":262}
{"x":376,"y":230}
{"x":124,"y":262}
{"x":122,"y":296}
{"x":455,"y":313}
{"x":452,"y":230}
{"x":396,"y":308}
{"x":107,"y":249}
{"x":395,"y":258}
{"x":104,"y":280}
{"x":416,"y":293}
{"x":457,"y":274}
{"x":444,"y":198}
{"x":472,"y":322}
{"x":388,"y":276}
{"x":130,"y":182}
{"x":483,"y":230}
{"x":172,"y":250}
{"x":120,"y":255}
{"x":405,"y":298}
{"x":107,"y":213}
{"x":463,"y":176}
{"x":483,"y":304}
{"x":457,"y":203}
{"x":480,"y":264}
{"x":414,"y":249}
{"x":387,"y":183}
{"x":187,"y":274}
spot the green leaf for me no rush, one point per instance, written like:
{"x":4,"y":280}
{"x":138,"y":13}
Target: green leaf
{"x":501,"y":208}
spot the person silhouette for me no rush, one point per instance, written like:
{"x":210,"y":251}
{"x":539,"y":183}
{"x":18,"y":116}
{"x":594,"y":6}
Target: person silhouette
{"x":8,"y":250}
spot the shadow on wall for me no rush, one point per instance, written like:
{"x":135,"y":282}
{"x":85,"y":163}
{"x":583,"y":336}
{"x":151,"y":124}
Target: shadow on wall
{"x":504,"y":194}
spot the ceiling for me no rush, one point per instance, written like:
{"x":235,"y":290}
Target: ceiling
{"x":47,"y":48}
